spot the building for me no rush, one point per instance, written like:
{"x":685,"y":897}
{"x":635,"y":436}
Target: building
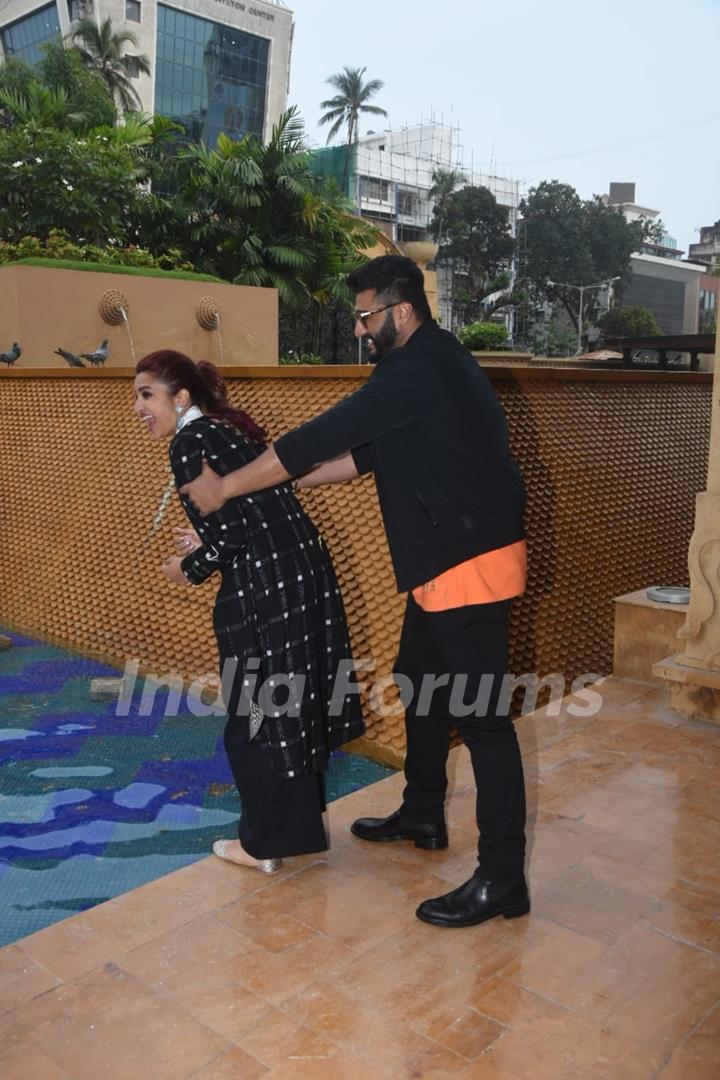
{"x":389,"y":175}
{"x":669,"y":288}
{"x":216,"y":65}
{"x":662,"y":280}
{"x":709,"y":302}
{"x":622,"y":196}
{"x":708,"y":250}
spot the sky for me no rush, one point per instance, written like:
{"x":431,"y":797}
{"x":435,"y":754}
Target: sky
{"x":571,"y":90}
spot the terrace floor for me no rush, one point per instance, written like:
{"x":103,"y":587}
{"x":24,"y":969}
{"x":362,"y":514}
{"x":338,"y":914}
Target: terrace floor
{"x":324,"y":972}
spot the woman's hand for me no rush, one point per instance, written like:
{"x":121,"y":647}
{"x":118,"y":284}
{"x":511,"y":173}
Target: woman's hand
{"x":171,"y":570}
{"x":186,"y":540}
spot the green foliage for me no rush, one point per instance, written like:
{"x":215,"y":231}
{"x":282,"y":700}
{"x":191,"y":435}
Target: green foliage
{"x":63,"y":69}
{"x":473,"y":234}
{"x":353,"y":95}
{"x":127,"y":194}
{"x":258,"y":216}
{"x":59,"y":247}
{"x":572,"y":241}
{"x":115,"y":268}
{"x":16,"y":75}
{"x":554,"y":337}
{"x":104,"y":51}
{"x":50,"y":178}
{"x":634,"y":321}
{"x":39,"y":107}
{"x":481,"y":336}
{"x":444,"y":184}
{"x":477,"y":235}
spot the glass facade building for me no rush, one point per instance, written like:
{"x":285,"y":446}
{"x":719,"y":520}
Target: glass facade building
{"x":210,"y":78}
{"x":23,"y":39}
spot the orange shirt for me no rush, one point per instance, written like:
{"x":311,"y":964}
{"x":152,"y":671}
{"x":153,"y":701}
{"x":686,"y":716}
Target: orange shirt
{"x":484,"y":579}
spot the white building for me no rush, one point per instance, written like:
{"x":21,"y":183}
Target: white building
{"x":389,"y":174}
{"x":662,"y":280}
{"x":216,"y":65}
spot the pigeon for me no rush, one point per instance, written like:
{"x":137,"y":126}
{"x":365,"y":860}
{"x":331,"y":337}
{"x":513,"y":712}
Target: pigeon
{"x":99,"y":356}
{"x":11,"y":356}
{"x":71,"y":358}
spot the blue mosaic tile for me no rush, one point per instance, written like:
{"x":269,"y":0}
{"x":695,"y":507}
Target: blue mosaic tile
{"x":93,"y":804}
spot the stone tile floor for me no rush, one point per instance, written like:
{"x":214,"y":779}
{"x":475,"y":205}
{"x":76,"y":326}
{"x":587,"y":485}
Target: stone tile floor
{"x":324,"y":972}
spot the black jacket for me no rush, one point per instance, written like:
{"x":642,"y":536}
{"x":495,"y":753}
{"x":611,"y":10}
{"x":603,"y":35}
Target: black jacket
{"x":428,"y":424}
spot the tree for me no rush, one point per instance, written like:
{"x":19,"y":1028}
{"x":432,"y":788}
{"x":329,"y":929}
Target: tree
{"x":478,"y":244}
{"x":16,"y":75}
{"x":63,"y":69}
{"x":50,"y":179}
{"x":40,"y":108}
{"x":257,"y":215}
{"x":103,"y":50}
{"x":444,"y":183}
{"x":58,"y":91}
{"x":634,"y":321}
{"x":566,"y":239}
{"x":347,"y":105}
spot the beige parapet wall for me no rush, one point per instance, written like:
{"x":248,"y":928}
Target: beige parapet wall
{"x":612,"y":461}
{"x":43,"y":308}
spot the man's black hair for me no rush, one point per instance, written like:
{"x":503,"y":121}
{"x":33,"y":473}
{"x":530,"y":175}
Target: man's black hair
{"x":394,"y":278}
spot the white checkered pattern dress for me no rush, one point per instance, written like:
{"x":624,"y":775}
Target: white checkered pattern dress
{"x":278,"y":609}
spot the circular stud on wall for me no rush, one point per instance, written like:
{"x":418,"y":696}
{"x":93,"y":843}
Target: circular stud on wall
{"x":111,"y":306}
{"x":207,"y":312}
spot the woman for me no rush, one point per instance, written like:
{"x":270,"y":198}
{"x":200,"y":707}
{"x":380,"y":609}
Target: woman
{"x":278,"y":615}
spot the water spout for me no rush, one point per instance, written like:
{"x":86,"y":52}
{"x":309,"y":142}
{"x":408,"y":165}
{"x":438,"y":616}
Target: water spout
{"x":123,"y":312}
{"x":218,"y":327}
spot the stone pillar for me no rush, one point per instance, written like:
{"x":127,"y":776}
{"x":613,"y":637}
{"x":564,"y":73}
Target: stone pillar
{"x":694,"y":674}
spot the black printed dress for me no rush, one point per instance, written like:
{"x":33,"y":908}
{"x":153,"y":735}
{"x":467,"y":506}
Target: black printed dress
{"x":281,"y":634}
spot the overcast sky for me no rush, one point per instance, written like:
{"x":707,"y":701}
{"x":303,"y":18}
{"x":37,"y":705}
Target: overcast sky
{"x":571,"y":90}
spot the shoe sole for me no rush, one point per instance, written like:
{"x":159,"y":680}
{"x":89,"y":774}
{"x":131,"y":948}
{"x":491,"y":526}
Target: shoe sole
{"x":515,"y":911}
{"x":429,"y":843}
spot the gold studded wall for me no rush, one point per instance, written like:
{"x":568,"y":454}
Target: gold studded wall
{"x":612,"y":463}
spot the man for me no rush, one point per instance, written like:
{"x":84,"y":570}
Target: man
{"x":428,"y":425}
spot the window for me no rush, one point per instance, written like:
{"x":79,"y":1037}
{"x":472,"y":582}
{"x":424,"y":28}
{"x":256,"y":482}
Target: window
{"x":132,"y":67}
{"x":373,"y":188}
{"x":210,"y":78}
{"x":133,"y":11}
{"x":407,"y":203}
{"x":80,"y":9}
{"x":23,"y":39}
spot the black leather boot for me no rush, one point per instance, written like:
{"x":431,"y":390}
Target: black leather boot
{"x":396,"y":827}
{"x":475,"y":901}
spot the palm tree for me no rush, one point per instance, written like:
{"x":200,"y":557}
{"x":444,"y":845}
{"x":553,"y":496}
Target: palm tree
{"x":40,"y":107}
{"x":103,"y":50}
{"x":345,"y":108}
{"x":444,"y":183}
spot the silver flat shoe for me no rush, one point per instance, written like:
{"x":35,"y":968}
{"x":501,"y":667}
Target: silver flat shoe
{"x":265,"y":866}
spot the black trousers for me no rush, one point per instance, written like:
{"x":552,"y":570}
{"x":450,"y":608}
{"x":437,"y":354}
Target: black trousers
{"x":468,"y":642}
{"x":280,"y":815}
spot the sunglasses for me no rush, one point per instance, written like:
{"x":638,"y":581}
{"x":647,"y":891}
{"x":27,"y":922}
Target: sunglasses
{"x":363,"y":316}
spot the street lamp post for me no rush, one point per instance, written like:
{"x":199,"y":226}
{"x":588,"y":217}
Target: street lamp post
{"x":582,"y":289}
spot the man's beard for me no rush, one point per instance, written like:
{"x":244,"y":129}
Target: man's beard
{"x":384,"y":339}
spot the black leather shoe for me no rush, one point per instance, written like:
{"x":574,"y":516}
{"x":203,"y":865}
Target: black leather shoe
{"x":396,"y":827}
{"x":475,"y":901}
